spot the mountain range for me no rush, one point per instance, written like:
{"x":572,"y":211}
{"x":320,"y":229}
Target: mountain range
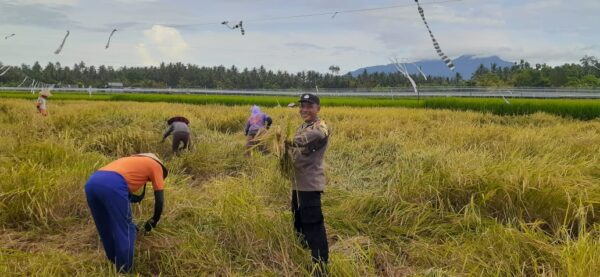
{"x":465,"y":65}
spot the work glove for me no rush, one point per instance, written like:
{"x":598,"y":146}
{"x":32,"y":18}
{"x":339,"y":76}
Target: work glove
{"x":149,"y":225}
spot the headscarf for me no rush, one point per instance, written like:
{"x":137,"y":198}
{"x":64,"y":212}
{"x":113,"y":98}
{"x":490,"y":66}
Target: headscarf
{"x":255,"y":110}
{"x":257,"y":117}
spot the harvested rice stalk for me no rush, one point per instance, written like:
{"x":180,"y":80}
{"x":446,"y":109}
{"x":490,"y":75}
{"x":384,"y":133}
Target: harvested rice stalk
{"x":277,"y":140}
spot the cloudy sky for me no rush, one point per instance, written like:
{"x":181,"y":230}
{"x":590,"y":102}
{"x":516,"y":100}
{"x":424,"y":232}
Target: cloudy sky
{"x":152,"y":31}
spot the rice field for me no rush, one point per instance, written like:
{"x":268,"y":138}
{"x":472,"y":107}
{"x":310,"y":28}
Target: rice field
{"x":411,"y":192}
{"x":584,"y":109}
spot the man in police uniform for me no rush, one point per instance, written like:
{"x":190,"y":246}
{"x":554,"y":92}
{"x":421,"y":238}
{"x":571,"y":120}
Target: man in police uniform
{"x":308,"y":149}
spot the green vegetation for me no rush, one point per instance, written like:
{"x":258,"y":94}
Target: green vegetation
{"x":586,"y":75}
{"x":179,"y":75}
{"x":229,"y":100}
{"x":579,"y":109}
{"x":410,"y":192}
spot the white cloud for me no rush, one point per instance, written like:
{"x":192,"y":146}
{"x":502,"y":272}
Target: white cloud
{"x":145,"y":55}
{"x":540,"y":5}
{"x":44,"y":2}
{"x":446,"y":15}
{"x":135,"y":1}
{"x":292,"y":51}
{"x":550,"y":31}
{"x":168,"y":41}
{"x":507,"y":45}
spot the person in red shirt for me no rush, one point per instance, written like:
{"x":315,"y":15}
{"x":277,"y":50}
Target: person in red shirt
{"x":109,"y":192}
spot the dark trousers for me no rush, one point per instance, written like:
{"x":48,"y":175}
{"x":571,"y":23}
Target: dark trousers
{"x":178,"y":138}
{"x":309,"y":223}
{"x":108,"y":198}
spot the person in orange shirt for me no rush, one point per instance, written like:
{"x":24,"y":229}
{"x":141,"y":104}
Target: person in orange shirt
{"x":109,"y":192}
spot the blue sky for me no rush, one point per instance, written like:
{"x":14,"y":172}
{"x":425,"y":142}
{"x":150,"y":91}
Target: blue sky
{"x":151,"y":31}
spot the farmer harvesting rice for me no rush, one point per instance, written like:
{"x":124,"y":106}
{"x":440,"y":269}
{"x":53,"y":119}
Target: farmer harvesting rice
{"x":42,"y":102}
{"x":257,"y":122}
{"x":308,"y":149}
{"x":109,"y":191}
{"x":178,"y":126}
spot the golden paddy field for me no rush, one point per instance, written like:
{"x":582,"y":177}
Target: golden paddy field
{"x":411,"y":192}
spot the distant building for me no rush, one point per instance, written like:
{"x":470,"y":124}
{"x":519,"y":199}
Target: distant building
{"x":114,"y":85}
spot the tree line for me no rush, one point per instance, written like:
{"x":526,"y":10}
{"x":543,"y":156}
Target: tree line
{"x":522,"y":74}
{"x":179,"y":75}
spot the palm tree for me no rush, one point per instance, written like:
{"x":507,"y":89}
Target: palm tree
{"x":334,"y":69}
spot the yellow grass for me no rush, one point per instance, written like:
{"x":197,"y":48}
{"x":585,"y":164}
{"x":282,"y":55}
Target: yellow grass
{"x":410,"y":192}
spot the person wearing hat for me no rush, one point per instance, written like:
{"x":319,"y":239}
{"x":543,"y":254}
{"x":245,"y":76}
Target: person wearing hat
{"x":308,"y":149}
{"x":42,"y":102}
{"x":109,"y":192}
{"x":179,"y":127}
{"x":257,"y":123}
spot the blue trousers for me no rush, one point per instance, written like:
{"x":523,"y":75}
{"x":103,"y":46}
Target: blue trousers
{"x":107,"y":196}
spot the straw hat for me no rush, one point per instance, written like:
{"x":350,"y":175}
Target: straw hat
{"x":178,"y":118}
{"x":45,"y":92}
{"x":154,"y":157}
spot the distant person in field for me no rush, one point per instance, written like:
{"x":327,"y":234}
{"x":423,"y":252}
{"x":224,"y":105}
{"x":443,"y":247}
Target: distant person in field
{"x":42,"y":102}
{"x":308,"y":149}
{"x":257,"y":123}
{"x":109,"y":192}
{"x":179,"y":127}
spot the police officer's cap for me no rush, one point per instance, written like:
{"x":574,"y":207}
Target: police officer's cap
{"x":309,"y":98}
